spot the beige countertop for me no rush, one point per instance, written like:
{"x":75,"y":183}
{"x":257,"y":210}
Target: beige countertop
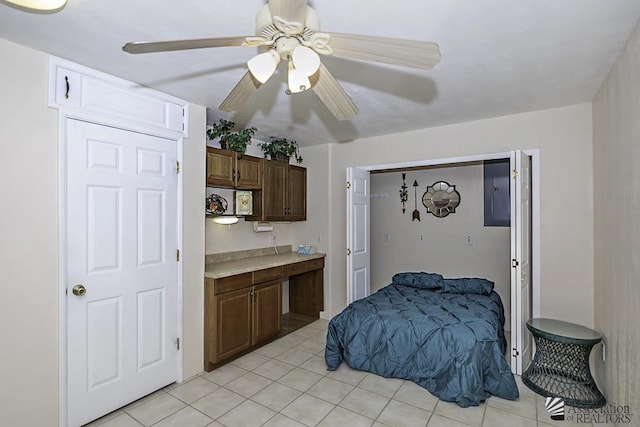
{"x":216,"y":270}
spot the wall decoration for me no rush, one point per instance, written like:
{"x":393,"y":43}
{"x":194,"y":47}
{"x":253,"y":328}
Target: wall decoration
{"x":215,"y":205}
{"x":404,"y":194}
{"x":244,"y":202}
{"x":416,"y":213}
{"x":441,"y":199}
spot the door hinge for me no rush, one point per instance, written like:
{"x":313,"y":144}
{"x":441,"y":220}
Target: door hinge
{"x":515,"y":353}
{"x":348,"y":185}
{"x":177,"y":166}
{"x":515,"y":173}
{"x":177,"y":254}
{"x":177,"y":343}
{"x":514,"y":263}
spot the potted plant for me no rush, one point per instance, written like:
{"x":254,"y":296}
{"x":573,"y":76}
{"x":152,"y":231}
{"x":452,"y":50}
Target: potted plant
{"x":229,"y":139}
{"x":281,"y":149}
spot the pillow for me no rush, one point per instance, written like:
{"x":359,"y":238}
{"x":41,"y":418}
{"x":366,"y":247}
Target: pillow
{"x":418,"y":280}
{"x":467,"y":285}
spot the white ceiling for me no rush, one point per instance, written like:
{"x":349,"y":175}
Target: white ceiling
{"x":498,"y":57}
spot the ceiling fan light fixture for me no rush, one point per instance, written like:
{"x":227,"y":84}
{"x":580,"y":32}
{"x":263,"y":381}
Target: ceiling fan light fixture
{"x":298,"y":81}
{"x":39,"y":5}
{"x":264,"y":65}
{"x":304,"y":63}
{"x":305,"y":60}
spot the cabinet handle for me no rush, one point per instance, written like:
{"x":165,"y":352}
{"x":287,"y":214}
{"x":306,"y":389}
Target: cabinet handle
{"x":233,"y":174}
{"x":66,"y":82}
{"x":238,"y":175}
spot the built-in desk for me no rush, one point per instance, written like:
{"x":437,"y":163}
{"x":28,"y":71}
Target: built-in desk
{"x":243,"y":301}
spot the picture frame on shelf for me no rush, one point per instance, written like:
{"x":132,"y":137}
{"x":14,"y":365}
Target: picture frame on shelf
{"x":244,"y":202}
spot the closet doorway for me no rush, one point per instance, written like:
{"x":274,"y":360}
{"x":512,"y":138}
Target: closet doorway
{"x":522,"y":238}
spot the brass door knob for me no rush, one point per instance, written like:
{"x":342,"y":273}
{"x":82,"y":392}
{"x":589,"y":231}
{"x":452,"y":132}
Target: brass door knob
{"x":79,"y":290}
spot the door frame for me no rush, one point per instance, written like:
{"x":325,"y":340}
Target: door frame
{"x":63,"y":117}
{"x":534,"y":154}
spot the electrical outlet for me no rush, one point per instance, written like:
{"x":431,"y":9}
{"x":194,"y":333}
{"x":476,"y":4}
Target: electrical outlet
{"x":468,"y":240}
{"x":272,"y":239}
{"x":387,"y":237}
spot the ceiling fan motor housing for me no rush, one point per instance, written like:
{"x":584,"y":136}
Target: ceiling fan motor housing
{"x":265,"y":23}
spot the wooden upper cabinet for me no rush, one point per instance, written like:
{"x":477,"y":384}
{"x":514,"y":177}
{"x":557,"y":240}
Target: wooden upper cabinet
{"x":220,"y":167}
{"x":281,"y":188}
{"x":226,"y":170}
{"x":297,"y":197}
{"x":284,"y":193}
{"x":274,"y":191}
{"x":249,"y":173}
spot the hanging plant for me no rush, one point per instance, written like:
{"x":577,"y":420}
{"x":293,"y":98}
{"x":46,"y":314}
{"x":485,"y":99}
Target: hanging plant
{"x":229,"y":139}
{"x":281,"y":149}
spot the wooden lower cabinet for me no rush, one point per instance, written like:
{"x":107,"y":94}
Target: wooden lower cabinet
{"x":239,"y":315}
{"x":267,"y":311}
{"x":233,"y":330}
{"x":244,"y":310}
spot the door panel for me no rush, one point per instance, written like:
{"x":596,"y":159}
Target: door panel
{"x":521,"y":286}
{"x":297,"y":193}
{"x":233,"y":323}
{"x":358,"y":246}
{"x":151,"y":324}
{"x":267,"y":310}
{"x":275,"y":190}
{"x":103,"y":342}
{"x":121,"y":233}
{"x":249,"y":173}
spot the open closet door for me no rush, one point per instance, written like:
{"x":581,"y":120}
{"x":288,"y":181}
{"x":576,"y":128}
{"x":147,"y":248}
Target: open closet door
{"x":358,"y":251}
{"x":521,"y":342}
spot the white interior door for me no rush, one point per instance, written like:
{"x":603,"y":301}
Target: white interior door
{"x":358,"y":247}
{"x":121,"y":246}
{"x":521,"y":286}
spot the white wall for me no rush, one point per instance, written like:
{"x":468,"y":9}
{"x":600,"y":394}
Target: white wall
{"x":616,"y":113}
{"x":193,"y":235}
{"x":564,"y":138}
{"x":444,"y":249}
{"x":29,"y":250}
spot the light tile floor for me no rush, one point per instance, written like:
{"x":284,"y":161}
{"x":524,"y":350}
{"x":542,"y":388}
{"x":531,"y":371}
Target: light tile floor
{"x":286,"y":383}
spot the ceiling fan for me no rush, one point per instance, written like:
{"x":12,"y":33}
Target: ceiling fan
{"x":290,"y":30}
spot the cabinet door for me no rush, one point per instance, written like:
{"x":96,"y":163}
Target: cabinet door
{"x":274,"y":191}
{"x":267,"y":310}
{"x":249,"y":173}
{"x":233,"y":323}
{"x":220,"y":168}
{"x":297,"y":194}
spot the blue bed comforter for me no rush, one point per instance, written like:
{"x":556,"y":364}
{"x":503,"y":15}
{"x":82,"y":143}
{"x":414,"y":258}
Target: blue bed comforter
{"x":445,"y":335}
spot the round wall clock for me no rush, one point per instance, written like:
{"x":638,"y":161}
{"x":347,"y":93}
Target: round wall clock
{"x":441,"y":199}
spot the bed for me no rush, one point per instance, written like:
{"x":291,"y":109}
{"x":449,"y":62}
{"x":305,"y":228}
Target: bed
{"x":446,"y":335}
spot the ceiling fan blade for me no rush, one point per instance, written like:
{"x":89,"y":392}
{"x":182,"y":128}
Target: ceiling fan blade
{"x":409,"y":53}
{"x":240,"y":93}
{"x":289,"y":10}
{"x":148,"y":47}
{"x":333,"y":95}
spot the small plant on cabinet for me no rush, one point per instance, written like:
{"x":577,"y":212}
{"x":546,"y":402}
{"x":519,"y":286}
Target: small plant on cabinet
{"x":229,"y":139}
{"x":278,"y":148}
